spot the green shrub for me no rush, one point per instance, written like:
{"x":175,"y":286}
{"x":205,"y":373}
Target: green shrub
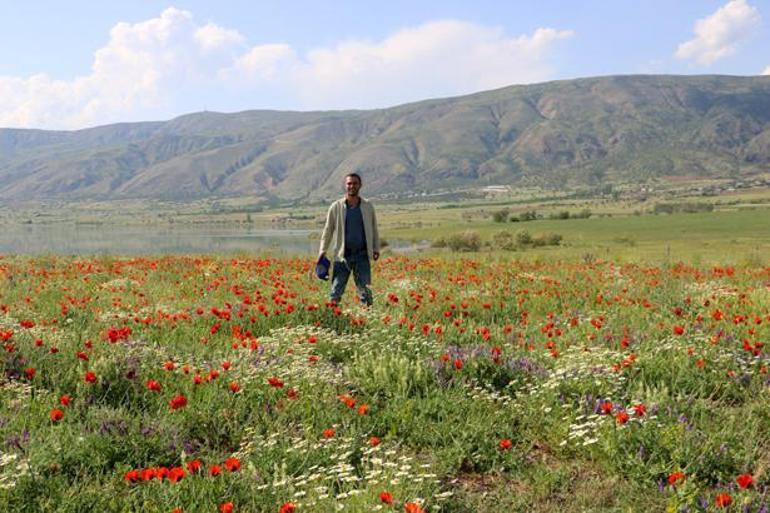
{"x":529,"y":215}
{"x":500,"y":216}
{"x":523,"y":238}
{"x":547,"y":239}
{"x":503,"y":240}
{"x":466,"y":241}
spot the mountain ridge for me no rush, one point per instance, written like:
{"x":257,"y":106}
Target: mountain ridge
{"x":620,"y":129}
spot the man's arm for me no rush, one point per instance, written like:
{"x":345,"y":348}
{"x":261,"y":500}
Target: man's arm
{"x":328,"y":232}
{"x":375,"y":236}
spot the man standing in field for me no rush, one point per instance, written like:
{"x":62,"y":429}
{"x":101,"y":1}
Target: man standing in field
{"x":351,"y":235}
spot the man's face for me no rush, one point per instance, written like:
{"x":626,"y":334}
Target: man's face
{"x":352,"y":186}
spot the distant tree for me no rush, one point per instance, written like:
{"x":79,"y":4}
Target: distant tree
{"x":529,"y":215}
{"x":523,"y":238}
{"x":501,"y":216}
{"x":564,"y":214}
{"x":466,"y":241}
{"x":583,"y":214}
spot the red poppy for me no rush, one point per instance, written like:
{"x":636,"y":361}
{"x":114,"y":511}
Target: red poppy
{"x":349,"y":401}
{"x":234,"y":387}
{"x":56,"y":415}
{"x":622,"y":417}
{"x":723,"y":500}
{"x":288,"y":507}
{"x":233,"y":464}
{"x":176,"y":474}
{"x":374,"y":441}
{"x":226,"y":507}
{"x":194,"y":466}
{"x":329,"y":433}
{"x":132,"y":476}
{"x":90,"y":377}
{"x":640,"y":410}
{"x":180,"y":401}
{"x":678,"y":330}
{"x":215,"y":470}
{"x":606,"y":407}
{"x":745,"y":480}
{"x":386,"y":498}
{"x":153,"y":385}
{"x":413,"y":507}
{"x":675,"y":477}
{"x":30,"y":372}
{"x":363,"y":409}
{"x":505,"y":444}
{"x":275,"y":382}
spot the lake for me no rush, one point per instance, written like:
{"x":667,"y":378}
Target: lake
{"x":84,"y":239}
{"x":70,"y":239}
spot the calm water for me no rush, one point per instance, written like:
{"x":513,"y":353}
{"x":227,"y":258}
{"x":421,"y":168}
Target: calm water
{"x":131,"y":240}
{"x":68,"y":239}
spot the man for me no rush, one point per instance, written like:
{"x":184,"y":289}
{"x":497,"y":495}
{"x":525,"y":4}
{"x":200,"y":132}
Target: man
{"x":351,"y":238}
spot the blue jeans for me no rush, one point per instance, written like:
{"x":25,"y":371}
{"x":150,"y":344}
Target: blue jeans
{"x":362,"y":274}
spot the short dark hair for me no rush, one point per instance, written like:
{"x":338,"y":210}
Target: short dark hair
{"x":354,"y":175}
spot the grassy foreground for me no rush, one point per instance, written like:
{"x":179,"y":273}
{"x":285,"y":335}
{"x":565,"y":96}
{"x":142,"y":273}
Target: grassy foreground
{"x":473,"y":384}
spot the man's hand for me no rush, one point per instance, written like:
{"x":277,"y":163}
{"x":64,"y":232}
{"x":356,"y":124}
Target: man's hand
{"x":376,"y":254}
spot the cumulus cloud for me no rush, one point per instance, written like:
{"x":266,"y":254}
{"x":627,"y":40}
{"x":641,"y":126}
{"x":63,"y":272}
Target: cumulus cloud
{"x":436,"y":59}
{"x":767,"y":71}
{"x":213,"y":37}
{"x":264,"y":62}
{"x":132,"y":77}
{"x":171,"y":64}
{"x":720,"y":34}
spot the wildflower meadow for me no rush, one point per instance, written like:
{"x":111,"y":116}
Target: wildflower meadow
{"x":229,"y":384}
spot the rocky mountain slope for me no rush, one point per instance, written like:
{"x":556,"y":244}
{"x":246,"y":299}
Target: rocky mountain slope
{"x":583,"y":131}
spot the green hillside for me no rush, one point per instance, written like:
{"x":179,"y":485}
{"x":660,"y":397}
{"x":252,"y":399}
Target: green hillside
{"x":618,"y":129}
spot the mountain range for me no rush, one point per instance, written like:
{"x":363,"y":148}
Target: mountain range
{"x":615,"y":129}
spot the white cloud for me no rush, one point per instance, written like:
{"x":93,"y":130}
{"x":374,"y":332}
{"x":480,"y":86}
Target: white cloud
{"x":213,"y":37}
{"x":720,"y":34}
{"x":435,"y":59}
{"x":264,"y":62}
{"x":134,"y":76}
{"x":766,"y":71}
{"x":171,"y":65}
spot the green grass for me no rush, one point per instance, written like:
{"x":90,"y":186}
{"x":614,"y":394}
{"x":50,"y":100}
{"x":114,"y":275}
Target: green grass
{"x":493,"y":384}
{"x":739,"y":236}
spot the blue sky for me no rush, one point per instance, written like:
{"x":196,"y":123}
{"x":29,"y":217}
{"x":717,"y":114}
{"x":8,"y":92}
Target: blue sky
{"x":68,"y":65}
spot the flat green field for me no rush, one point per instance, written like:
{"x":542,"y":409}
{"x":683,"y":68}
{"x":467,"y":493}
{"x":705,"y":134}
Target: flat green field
{"x":721,"y":237}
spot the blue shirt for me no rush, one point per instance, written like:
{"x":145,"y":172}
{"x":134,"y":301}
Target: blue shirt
{"x":355,"y":238}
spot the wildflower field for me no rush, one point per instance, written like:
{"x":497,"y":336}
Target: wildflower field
{"x":228,"y":384}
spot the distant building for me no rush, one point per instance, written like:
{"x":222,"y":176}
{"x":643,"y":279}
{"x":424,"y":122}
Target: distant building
{"x":496,"y":188}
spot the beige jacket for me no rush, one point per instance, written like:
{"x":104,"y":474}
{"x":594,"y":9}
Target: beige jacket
{"x":333,"y":236}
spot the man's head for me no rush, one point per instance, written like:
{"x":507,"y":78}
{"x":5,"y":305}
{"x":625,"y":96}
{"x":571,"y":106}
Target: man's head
{"x":352,"y":184}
